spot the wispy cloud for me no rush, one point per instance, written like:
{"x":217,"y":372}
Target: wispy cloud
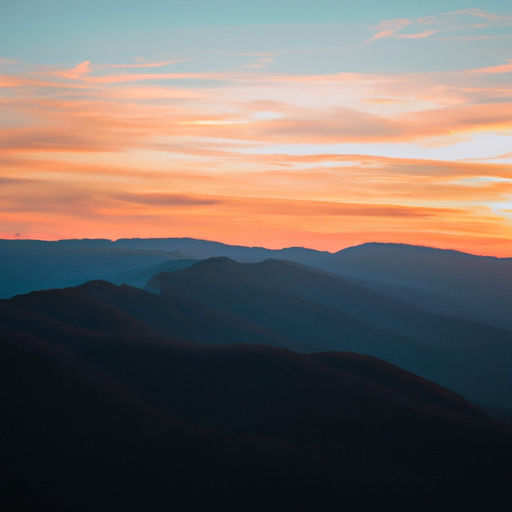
{"x":389,"y":28}
{"x":251,"y":54}
{"x":77,"y":72}
{"x":260,"y":63}
{"x":111,"y":112}
{"x":148,"y":64}
{"x":443,"y":24}
{"x":106,"y":151}
{"x":417,"y":35}
{"x":4,"y":61}
{"x":495,"y":70}
{"x":164,"y":199}
{"x":504,"y":19}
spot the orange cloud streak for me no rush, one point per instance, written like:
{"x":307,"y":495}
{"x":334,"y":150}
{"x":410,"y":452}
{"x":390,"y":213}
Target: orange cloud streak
{"x":105,"y":156}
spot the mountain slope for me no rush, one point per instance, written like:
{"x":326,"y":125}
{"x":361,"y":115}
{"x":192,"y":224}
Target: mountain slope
{"x":28,"y":265}
{"x":183,"y":319}
{"x":326,"y":312}
{"x":97,"y":418}
{"x":441,"y":281}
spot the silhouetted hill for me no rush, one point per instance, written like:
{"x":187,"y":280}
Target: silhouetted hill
{"x":100,"y":412}
{"x":69,"y":316}
{"x":292,"y":306}
{"x":446,"y":282}
{"x":440,"y":281}
{"x":203,"y":249}
{"x":182,"y":319}
{"x":139,"y":277}
{"x":28,"y":265}
{"x":320,"y":311}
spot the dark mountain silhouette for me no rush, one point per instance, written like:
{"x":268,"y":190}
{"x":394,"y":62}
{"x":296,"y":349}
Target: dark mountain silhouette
{"x":289,"y":305}
{"x":28,"y":265}
{"x":139,"y":277}
{"x":320,"y":311}
{"x":98,"y":411}
{"x":182,"y":319}
{"x":446,"y":282}
{"x":115,"y":398}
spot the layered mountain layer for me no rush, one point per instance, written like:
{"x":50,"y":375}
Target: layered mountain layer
{"x":440,"y":281}
{"x":101,"y":411}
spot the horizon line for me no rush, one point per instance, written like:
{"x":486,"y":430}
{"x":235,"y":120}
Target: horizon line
{"x":348,"y":247}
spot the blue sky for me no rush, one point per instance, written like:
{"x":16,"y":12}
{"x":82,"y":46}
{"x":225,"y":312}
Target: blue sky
{"x":52,"y":31}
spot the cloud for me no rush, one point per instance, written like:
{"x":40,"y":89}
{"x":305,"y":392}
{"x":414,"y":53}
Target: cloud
{"x":250,"y":54}
{"x":495,"y":70}
{"x":460,"y":119}
{"x":362,"y":196}
{"x":392,"y":28}
{"x":5,"y":181}
{"x":147,"y":64}
{"x":297,"y":208}
{"x":417,"y":35}
{"x":467,"y":19}
{"x":5,"y":62}
{"x":118,"y":114}
{"x":78,"y":72}
{"x":260,"y":63}
{"x":141,"y":77}
{"x":98,"y":151}
{"x":82,"y":70}
{"x":164,"y":199}
{"x":478,"y":13}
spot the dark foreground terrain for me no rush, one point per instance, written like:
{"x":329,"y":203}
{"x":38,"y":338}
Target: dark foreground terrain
{"x":99,"y":410}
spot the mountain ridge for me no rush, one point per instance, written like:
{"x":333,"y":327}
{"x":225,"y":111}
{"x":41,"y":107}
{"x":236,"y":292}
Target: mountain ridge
{"x":93,"y":397}
{"x":441,"y":281}
{"x":328,"y":312}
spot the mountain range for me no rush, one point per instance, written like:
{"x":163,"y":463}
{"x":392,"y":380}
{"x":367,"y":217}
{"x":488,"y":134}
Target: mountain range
{"x":100,"y":410}
{"x":200,"y":376}
{"x":446,"y":282}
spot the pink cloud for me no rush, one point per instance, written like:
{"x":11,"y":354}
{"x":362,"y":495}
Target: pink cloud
{"x":495,"y":70}
{"x":124,"y":78}
{"x":4,"y":61}
{"x":445,"y":23}
{"x":478,"y":13}
{"x":78,"y":72}
{"x":147,"y":64}
{"x":388,"y":28}
{"x":419,"y":35}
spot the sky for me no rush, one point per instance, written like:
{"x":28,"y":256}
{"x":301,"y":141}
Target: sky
{"x":321,"y":124}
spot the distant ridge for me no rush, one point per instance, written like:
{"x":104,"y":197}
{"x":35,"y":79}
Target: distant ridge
{"x":425,"y":248}
{"x":447,"y":282}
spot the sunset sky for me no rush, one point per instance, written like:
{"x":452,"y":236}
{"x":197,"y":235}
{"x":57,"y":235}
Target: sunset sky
{"x":276,"y":123}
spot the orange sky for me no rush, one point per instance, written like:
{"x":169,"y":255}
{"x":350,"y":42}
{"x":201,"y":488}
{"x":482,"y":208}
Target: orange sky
{"x":256,"y":156}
